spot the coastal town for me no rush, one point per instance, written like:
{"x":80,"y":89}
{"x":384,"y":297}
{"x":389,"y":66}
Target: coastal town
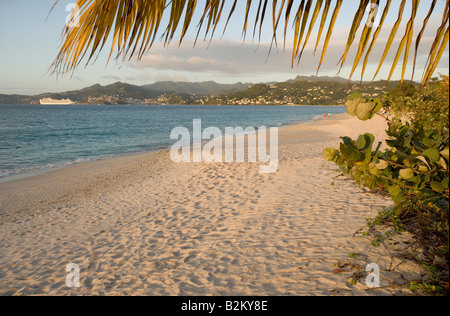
{"x":299,"y":91}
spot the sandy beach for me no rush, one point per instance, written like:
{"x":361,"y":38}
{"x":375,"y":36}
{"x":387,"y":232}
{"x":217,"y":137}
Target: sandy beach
{"x":144,"y":225}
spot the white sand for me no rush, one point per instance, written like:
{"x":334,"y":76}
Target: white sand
{"x":144,"y":225}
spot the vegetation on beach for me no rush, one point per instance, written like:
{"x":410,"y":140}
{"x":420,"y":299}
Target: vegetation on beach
{"x":413,"y":170}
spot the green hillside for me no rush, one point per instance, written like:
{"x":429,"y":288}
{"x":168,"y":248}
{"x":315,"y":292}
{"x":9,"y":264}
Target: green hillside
{"x":299,"y":91}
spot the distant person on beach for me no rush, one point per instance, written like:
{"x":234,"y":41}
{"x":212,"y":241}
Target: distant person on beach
{"x":329,"y":114}
{"x":324,"y":116}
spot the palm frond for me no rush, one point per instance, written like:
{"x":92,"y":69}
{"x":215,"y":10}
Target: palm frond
{"x":375,"y":37}
{"x":391,"y":36}
{"x":419,"y":37}
{"x":134,"y":26}
{"x":330,"y":32}
{"x":365,"y":35}
{"x":322,"y":23}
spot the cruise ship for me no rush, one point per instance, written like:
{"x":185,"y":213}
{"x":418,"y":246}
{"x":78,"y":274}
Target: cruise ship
{"x":53,"y":101}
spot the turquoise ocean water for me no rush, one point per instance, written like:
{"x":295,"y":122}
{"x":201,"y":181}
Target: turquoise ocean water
{"x":41,"y":137}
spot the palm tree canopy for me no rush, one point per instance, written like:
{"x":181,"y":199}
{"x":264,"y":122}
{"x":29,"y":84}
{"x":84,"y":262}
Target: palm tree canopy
{"x":134,"y":26}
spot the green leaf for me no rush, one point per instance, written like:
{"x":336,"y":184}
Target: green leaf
{"x":356,"y":174}
{"x":364,"y":111}
{"x":394,"y":126}
{"x":387,"y":173}
{"x":394,"y":190}
{"x":437,"y":186}
{"x":369,"y":181}
{"x":352,"y":104}
{"x":351,"y":153}
{"x":445,"y":183}
{"x":428,"y":142}
{"x":397,"y":198}
{"x":347,"y":141}
{"x":442,"y":163}
{"x":361,"y":142}
{"x":382,"y":164}
{"x":373,"y":169}
{"x":329,"y":154}
{"x":370,"y":139}
{"x":378,"y":105}
{"x":445,"y":153}
{"x":406,"y":174}
{"x":433,"y":154}
{"x":355,"y":95}
{"x":424,"y":160}
{"x":423,"y":169}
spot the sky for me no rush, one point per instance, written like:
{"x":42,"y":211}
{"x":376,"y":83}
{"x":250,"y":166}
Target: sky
{"x":31,"y":39}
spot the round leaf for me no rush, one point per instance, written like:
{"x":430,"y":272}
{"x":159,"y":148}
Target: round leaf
{"x":382,"y":164}
{"x":352,"y":104}
{"x":364,"y":111}
{"x":406,"y":174}
{"x":437,"y":186}
{"x":378,"y":105}
{"x":329,"y":154}
{"x":432,"y":154}
{"x":361,"y":142}
{"x":373,"y":169}
{"x":394,"y":190}
{"x":445,"y":153}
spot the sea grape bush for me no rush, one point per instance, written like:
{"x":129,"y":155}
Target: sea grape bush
{"x":415,"y":163}
{"x":429,"y":108}
{"x":414,"y":167}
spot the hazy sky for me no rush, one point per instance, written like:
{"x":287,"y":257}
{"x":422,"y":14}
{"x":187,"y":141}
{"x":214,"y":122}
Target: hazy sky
{"x":30,"y":41}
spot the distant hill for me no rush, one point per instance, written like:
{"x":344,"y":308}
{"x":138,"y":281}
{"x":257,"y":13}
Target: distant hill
{"x":305,"y":90}
{"x":124,"y":92}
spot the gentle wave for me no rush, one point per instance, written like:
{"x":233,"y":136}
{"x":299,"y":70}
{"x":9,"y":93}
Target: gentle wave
{"x":38,"y":138}
{"x":32,"y":169}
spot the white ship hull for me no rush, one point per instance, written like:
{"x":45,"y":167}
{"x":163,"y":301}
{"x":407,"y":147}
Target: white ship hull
{"x":49,"y":101}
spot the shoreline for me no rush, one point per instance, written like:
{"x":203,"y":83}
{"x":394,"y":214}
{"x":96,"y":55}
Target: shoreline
{"x":41,"y":170}
{"x":143,"y":225}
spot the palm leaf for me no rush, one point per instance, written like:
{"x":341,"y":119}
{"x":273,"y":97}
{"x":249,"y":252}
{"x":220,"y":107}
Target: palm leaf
{"x":330,"y":32}
{"x":303,"y":16}
{"x":286,"y":19}
{"x":311,"y":25}
{"x":364,"y":37}
{"x":326,"y":9}
{"x":432,"y":66}
{"x":134,"y":25}
{"x":297,"y":37}
{"x":435,"y":46}
{"x":391,"y":36}
{"x":419,"y":37}
{"x":355,"y":26}
{"x":406,"y":41}
{"x":375,"y":37}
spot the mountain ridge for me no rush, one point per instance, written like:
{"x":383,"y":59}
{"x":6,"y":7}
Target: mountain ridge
{"x":205,"y":92}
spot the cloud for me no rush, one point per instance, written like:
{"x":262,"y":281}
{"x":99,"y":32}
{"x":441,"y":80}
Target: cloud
{"x":233,"y":58}
{"x":184,"y":62}
{"x":111,"y":77}
{"x":222,"y":57}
